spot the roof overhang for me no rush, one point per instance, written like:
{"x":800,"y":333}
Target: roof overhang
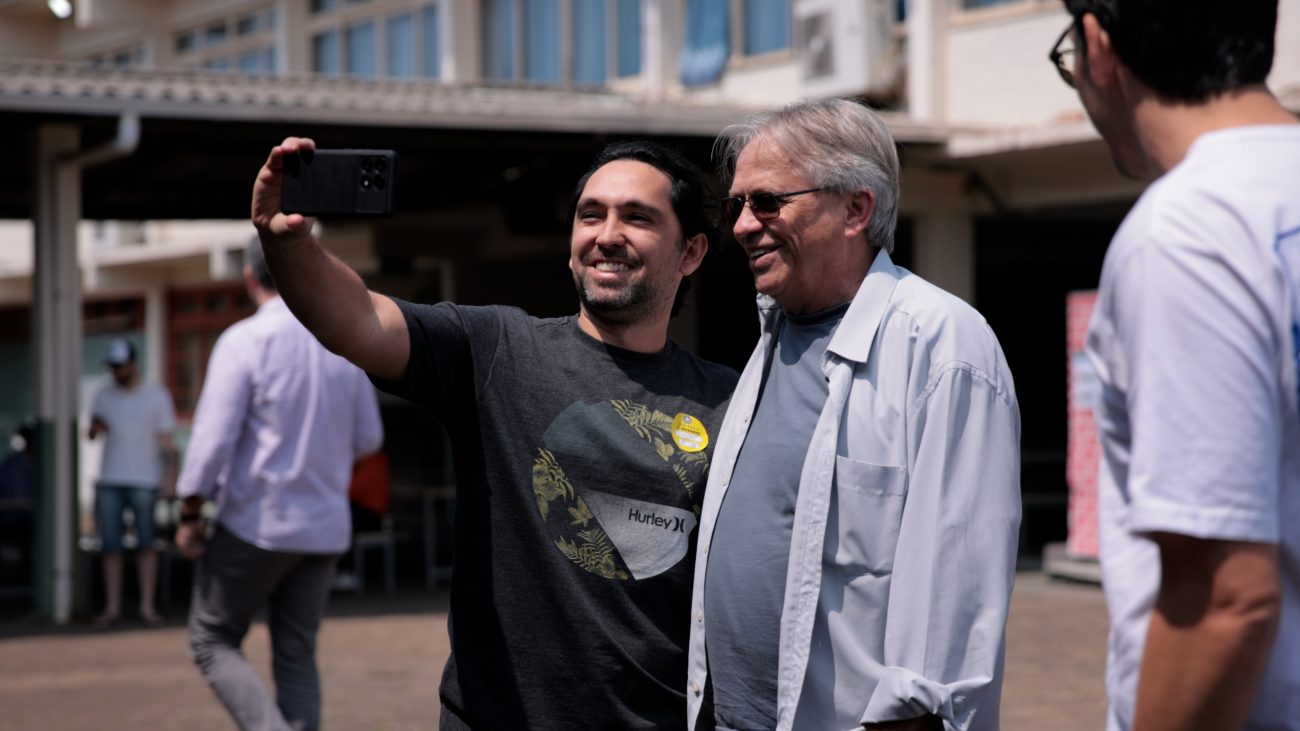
{"x":204,"y":134}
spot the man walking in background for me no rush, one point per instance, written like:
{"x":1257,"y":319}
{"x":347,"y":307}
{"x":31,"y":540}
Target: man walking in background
{"x":137,"y":421}
{"x":1195,"y":343}
{"x":278,"y":427}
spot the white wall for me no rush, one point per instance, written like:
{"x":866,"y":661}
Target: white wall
{"x":997,"y":69}
{"x":1285,"y":79}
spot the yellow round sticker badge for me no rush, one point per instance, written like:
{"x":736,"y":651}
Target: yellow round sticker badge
{"x":689,"y":433}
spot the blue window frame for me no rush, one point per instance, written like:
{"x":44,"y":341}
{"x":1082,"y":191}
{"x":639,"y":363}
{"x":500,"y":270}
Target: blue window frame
{"x":361,"y":50}
{"x":589,"y":41}
{"x":431,"y":36}
{"x":325,"y":53}
{"x":499,"y":39}
{"x":542,"y":41}
{"x":401,"y":46}
{"x":629,"y":38}
{"x":767,"y":26}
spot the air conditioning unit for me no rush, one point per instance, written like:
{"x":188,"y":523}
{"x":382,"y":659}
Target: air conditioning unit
{"x":846,"y":47}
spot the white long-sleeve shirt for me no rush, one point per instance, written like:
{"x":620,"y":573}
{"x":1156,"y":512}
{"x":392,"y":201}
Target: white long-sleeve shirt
{"x":278,"y":427}
{"x":903,"y":550}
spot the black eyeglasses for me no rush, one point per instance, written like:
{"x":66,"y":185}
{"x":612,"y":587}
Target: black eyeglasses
{"x":1063,"y":58}
{"x":763,"y":204}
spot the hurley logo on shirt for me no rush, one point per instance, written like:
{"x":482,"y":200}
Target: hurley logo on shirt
{"x":675,"y":524}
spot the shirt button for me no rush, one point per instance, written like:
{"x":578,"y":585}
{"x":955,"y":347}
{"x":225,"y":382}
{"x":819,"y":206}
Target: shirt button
{"x":724,"y":483}
{"x":699,"y":616}
{"x":695,"y":687}
{"x":704,"y":547}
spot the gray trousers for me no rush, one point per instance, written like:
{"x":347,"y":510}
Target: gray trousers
{"x":233,"y":581}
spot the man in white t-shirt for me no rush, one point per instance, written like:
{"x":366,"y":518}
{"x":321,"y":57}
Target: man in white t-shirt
{"x":139,"y":462}
{"x":1196,"y":339}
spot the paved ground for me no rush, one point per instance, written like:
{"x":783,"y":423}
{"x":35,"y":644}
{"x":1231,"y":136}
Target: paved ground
{"x":381,"y":659}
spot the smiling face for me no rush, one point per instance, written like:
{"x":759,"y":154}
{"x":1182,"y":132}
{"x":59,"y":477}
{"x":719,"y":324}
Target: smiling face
{"x":627,"y":254}
{"x":811,"y":255}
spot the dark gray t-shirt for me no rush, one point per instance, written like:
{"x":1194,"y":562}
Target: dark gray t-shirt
{"x":750,"y":548}
{"x":580,"y":473}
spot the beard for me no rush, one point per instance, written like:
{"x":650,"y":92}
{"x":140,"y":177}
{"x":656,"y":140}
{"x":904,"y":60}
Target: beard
{"x":624,"y":304}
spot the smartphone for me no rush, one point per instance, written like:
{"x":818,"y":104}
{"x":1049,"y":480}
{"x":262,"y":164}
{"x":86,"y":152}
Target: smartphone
{"x":339,"y":183}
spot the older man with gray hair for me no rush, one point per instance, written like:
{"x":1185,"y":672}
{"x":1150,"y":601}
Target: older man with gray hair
{"x":858,"y":538}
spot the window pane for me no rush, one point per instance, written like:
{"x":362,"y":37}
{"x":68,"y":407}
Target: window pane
{"x":216,"y":33}
{"x":542,"y":40}
{"x":432,"y":37}
{"x":268,"y":59}
{"x":401,"y":46}
{"x":187,"y":41}
{"x":217,"y":64}
{"x":246,"y":25}
{"x":323,"y":6}
{"x":589,"y":41}
{"x":707,"y":44}
{"x":499,"y":39}
{"x":767,"y":26}
{"x":629,"y":37}
{"x":361,"y":50}
{"x":250,"y":62}
{"x":325,"y":53}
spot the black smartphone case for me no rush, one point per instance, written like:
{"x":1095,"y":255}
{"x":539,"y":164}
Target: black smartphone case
{"x":340,"y":183}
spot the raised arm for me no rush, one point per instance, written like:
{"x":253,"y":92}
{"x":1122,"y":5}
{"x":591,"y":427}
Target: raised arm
{"x":322,"y":292}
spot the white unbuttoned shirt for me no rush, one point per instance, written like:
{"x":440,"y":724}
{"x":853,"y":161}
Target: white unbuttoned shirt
{"x":903,"y":551}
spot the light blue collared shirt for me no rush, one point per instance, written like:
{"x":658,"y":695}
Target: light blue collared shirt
{"x":902,"y":557}
{"x":278,"y":427}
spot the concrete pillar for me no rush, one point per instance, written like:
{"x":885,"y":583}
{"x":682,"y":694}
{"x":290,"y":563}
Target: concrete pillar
{"x":155,"y":333}
{"x":944,"y":251}
{"x":926,"y":59}
{"x":56,"y":326}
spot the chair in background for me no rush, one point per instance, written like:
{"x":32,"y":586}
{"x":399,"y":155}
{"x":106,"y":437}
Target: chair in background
{"x":372,"y":524}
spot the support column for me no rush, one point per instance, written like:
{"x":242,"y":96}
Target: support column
{"x":944,"y":251}
{"x":926,"y":58}
{"x":155,"y":334}
{"x":56,"y":327}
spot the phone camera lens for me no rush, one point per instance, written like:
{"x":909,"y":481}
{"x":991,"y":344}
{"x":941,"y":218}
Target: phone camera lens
{"x":365,"y":182}
{"x":366,"y":164}
{"x":381,"y":164}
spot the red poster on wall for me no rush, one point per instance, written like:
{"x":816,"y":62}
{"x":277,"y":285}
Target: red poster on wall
{"x":1084,"y":450}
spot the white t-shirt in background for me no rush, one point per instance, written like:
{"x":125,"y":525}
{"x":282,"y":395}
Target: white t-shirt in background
{"x":136,"y":418}
{"x":1195,"y":343}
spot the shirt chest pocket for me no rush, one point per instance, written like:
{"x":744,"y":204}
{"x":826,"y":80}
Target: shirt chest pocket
{"x":862,"y":528}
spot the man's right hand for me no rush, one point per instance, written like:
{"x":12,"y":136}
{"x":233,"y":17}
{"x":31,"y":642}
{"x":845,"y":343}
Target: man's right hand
{"x":189,"y":539}
{"x":267,"y":218}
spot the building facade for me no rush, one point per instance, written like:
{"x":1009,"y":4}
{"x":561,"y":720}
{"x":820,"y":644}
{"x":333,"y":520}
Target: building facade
{"x":1009,"y":197}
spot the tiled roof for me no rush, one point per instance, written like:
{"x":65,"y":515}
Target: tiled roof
{"x":79,"y":88}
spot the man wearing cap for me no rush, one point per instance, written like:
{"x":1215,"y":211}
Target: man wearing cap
{"x":139,"y":464}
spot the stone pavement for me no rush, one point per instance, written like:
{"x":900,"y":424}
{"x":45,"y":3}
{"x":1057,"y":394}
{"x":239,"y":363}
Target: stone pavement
{"x":381,"y":658}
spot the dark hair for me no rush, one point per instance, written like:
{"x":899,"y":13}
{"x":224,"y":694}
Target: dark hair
{"x":689,"y":194}
{"x":256,"y":261}
{"x":1187,"y":50}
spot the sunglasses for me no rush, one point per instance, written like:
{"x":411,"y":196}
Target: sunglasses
{"x":763,"y":204}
